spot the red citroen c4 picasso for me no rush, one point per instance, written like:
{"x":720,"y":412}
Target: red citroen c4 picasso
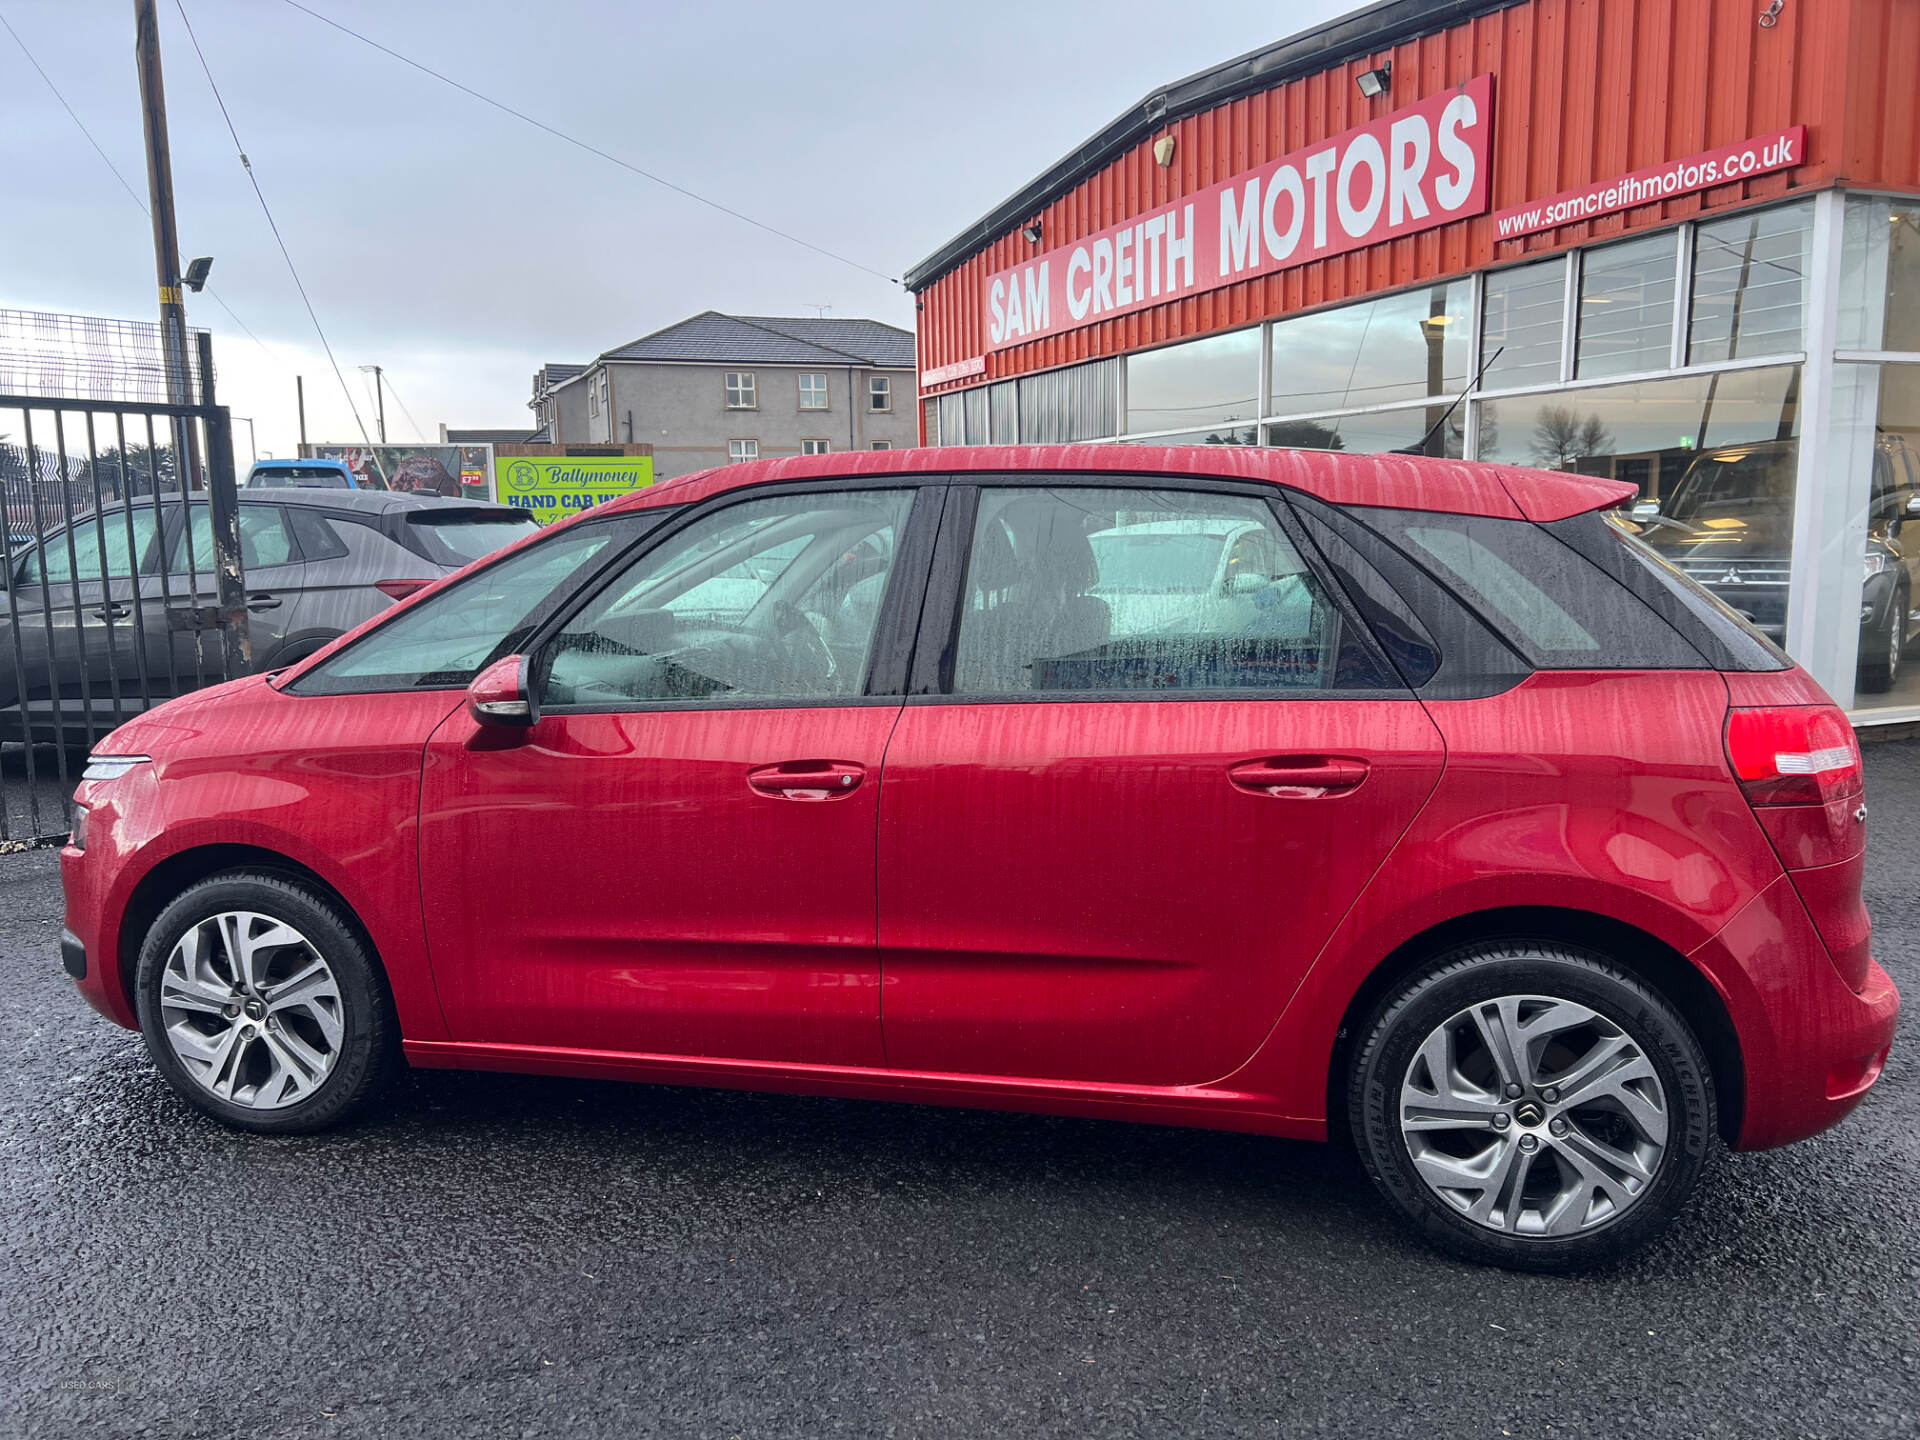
{"x":1287,"y":792}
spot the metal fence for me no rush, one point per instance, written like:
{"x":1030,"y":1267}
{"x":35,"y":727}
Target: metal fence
{"x":120,"y":548}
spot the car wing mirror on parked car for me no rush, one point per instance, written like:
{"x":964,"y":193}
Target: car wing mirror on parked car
{"x":498,"y":695}
{"x":1644,"y":509}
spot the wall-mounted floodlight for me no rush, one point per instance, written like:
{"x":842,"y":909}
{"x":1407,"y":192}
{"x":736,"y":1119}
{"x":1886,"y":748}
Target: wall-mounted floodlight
{"x":1373,"y":83}
{"x":197,"y":271}
{"x":1032,"y":232}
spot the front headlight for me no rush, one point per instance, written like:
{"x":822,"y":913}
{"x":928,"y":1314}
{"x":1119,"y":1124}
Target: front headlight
{"x":112,"y":767}
{"x":1878,"y":560}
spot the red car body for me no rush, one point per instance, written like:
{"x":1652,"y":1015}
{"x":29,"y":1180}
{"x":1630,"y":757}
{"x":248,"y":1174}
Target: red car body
{"x":538,"y":902}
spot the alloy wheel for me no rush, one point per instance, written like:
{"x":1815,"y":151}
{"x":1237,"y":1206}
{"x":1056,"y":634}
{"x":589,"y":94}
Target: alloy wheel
{"x":251,"y":1010}
{"x":1532,"y":1115}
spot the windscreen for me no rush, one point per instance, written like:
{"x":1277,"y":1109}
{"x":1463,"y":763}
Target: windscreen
{"x":457,"y":539}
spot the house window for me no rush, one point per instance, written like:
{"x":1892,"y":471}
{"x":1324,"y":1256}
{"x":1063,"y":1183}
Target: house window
{"x":881,"y":445}
{"x":740,"y":392}
{"x":879,"y":393}
{"x":739,"y":450}
{"x":814,"y":447}
{"x":813,"y":392}
{"x":593,"y":397}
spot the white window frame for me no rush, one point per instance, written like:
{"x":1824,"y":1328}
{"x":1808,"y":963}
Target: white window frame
{"x":742,"y":383}
{"x":880,"y":445}
{"x":740,"y":452}
{"x":810,"y":445}
{"x":826,"y":396}
{"x":877,"y":386}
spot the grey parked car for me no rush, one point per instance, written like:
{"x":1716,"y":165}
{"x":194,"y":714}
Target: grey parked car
{"x":317,"y":562}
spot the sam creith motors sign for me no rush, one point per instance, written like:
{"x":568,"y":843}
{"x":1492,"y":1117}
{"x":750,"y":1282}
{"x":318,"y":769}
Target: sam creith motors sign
{"x":1408,"y":171}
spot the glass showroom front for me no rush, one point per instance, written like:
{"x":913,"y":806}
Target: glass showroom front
{"x":1690,"y":361}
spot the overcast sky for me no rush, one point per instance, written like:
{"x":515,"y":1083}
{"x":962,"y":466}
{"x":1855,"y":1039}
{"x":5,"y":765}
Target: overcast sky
{"x":461,"y":248}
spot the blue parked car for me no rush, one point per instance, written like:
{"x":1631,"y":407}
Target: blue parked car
{"x":309,"y":475}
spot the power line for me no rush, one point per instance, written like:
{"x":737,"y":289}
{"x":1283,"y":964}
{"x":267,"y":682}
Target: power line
{"x":272,"y":224}
{"x":387,"y":375}
{"x":592,"y":149}
{"x":132,"y":194}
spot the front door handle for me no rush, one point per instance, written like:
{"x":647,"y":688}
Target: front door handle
{"x":807,"y":779}
{"x":1299,"y":777}
{"x":261,"y":600}
{"x":115,"y":611}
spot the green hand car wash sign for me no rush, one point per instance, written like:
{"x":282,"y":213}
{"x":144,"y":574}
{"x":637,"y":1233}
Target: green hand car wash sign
{"x":553,"y":487}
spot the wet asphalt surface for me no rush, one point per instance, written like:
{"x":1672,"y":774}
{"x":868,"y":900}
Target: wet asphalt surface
{"x":496,"y":1255}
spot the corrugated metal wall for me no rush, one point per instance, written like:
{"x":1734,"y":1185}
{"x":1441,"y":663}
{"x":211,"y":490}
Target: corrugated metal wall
{"x":1584,"y":90}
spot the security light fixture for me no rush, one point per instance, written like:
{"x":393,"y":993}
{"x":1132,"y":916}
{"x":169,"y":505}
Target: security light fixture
{"x":196,"y":275}
{"x":1163,"y":151}
{"x":1373,"y":83}
{"x":1032,"y":232}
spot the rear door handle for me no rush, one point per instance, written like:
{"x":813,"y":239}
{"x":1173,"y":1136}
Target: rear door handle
{"x":807,"y":779}
{"x":261,"y":600}
{"x":1299,"y":777}
{"x":115,"y":611}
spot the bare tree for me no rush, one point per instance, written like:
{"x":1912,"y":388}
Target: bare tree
{"x":1561,"y":437}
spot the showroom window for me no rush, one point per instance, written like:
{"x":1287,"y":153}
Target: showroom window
{"x":1426,"y":430}
{"x":1201,"y":383}
{"x":1525,"y":313}
{"x":1626,"y":307}
{"x":1398,"y":347}
{"x":1749,"y":281}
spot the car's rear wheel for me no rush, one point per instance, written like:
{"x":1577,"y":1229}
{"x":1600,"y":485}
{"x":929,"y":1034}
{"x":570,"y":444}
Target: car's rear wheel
{"x":1880,"y":665}
{"x":1532,"y":1105}
{"x":262,"y":1007}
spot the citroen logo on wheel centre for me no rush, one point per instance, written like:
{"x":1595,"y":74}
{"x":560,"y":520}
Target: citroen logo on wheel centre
{"x":1530,"y":1112}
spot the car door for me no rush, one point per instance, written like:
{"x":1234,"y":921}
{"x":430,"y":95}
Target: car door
{"x":1111,"y":847}
{"x":74,"y":593}
{"x":187,"y":658}
{"x":677,"y":857}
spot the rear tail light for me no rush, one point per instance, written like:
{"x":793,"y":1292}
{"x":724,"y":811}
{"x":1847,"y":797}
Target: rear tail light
{"x":1799,"y":766}
{"x":400,"y":589}
{"x":1794,"y":754}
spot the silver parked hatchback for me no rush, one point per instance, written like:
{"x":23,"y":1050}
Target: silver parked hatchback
{"x":96,"y":615}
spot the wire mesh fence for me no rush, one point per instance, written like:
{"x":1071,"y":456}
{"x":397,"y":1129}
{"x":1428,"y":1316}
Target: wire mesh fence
{"x":87,"y":357}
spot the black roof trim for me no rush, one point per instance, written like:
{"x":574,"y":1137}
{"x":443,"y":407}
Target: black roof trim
{"x":1365,"y":32}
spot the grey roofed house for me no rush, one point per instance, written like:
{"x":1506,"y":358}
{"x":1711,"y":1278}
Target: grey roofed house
{"x":716,"y":388}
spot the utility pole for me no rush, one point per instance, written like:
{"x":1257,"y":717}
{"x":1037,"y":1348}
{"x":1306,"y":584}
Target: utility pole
{"x":300,"y":400}
{"x":166,"y":242}
{"x":380,"y":399}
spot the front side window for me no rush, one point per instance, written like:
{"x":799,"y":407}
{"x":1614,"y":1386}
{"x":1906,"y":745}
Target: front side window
{"x":443,"y":642}
{"x":813,"y":392}
{"x":739,"y":451}
{"x":1072,"y":590}
{"x":123,"y":557}
{"x":879,"y":393}
{"x":772,"y":599}
{"x":740,"y":390}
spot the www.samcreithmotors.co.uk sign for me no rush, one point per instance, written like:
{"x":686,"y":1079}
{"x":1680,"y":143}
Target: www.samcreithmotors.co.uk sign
{"x":1419,"y":167}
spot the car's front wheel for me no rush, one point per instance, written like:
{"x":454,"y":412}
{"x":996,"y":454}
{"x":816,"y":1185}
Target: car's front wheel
{"x":261,"y":1005}
{"x":1533,"y":1106}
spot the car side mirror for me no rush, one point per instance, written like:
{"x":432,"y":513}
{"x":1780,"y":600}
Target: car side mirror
{"x":1245,"y":583}
{"x":1913,"y":507}
{"x":1644,"y":509}
{"x":498,"y":696}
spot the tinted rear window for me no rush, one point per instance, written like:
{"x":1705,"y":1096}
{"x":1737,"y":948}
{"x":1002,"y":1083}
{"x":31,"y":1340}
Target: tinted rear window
{"x":1557,"y":608}
{"x":456,"y":539}
{"x":1710,"y":625}
{"x":303,"y":478}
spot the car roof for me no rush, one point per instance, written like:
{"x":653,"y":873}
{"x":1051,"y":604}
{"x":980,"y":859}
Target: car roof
{"x":1408,"y":482}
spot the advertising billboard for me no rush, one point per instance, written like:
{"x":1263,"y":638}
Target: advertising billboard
{"x":553,"y":487}
{"x":456,"y":470}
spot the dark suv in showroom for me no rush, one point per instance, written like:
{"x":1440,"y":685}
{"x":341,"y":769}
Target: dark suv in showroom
{"x":1729,"y":526}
